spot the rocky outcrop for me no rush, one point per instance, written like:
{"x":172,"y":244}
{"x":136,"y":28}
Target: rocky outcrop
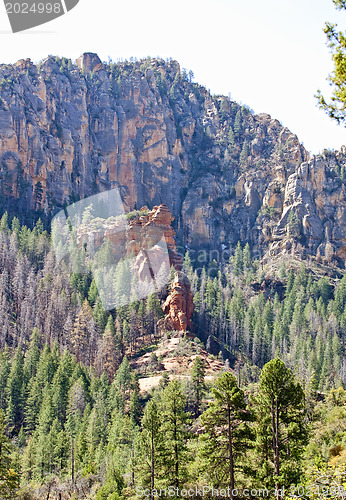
{"x":178,"y":307}
{"x":313,"y":217}
{"x":89,"y":62}
{"x":134,"y":236}
{"x":147,"y":239}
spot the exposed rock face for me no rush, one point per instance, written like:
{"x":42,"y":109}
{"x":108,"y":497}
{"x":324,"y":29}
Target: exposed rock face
{"x":89,"y":62}
{"x":313,"y":218}
{"x":134,"y":238}
{"x":68,"y":131}
{"x":178,"y":306}
{"x":142,"y":239}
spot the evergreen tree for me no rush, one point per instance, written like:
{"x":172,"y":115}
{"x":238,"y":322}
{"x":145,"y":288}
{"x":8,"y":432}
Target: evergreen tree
{"x":226,"y":431}
{"x":238,"y":260}
{"x":281,"y":426}
{"x":336,"y":108}
{"x":247,"y":257}
{"x":198,"y":383}
{"x":81,"y":333}
{"x":15,"y":392}
{"x":9,"y":479}
{"x":109,"y":356}
{"x":151,"y":441}
{"x":173,"y":457}
{"x":123,"y":377}
{"x":32,"y":356}
{"x":135,"y":405}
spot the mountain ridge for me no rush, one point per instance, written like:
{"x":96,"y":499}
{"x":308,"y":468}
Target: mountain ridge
{"x":68,"y":131}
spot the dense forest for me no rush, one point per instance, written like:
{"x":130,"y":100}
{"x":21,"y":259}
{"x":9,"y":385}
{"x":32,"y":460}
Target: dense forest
{"x":74,"y":423}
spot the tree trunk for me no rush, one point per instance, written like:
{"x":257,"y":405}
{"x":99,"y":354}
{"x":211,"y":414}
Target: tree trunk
{"x":275,"y":429}
{"x":176,"y":454}
{"x":72,"y":459}
{"x":230,"y":450}
{"x":152,"y":462}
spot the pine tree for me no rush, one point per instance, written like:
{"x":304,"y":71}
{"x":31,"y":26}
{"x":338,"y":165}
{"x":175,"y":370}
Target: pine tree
{"x":226,"y":431}
{"x":336,"y":107}
{"x":122,"y":284}
{"x":247,"y":257}
{"x":4,"y":223}
{"x":9,"y":479}
{"x":93,"y":293}
{"x":150,"y":443}
{"x":123,"y":377}
{"x":33,"y":403}
{"x":81,"y":333}
{"x":61,"y":386}
{"x":32,"y":356}
{"x":173,"y":458}
{"x":281,"y":426}
{"x":244,"y":152}
{"x":198,"y":383}
{"x":135,"y":405}
{"x":4,"y":373}
{"x":100,"y":315}
{"x":15,"y":392}
{"x":108,"y":358}
{"x":238,"y":260}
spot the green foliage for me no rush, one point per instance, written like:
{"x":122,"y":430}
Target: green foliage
{"x":336,"y":108}
{"x":151,"y":444}
{"x":173,"y":456}
{"x":281,"y":425}
{"x":198,"y":383}
{"x":227,"y":433}
{"x":268,"y":211}
{"x":9,"y":477}
{"x":135,"y":214}
{"x":238,"y":260}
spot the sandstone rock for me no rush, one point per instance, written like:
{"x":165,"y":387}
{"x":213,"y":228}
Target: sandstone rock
{"x":178,"y":306}
{"x":68,"y":132}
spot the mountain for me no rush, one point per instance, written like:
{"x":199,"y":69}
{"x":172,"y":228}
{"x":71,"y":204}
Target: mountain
{"x":119,"y":374}
{"x":70,"y":130}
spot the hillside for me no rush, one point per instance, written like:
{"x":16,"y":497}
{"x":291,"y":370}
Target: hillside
{"x":146,"y":333}
{"x":173,"y":356}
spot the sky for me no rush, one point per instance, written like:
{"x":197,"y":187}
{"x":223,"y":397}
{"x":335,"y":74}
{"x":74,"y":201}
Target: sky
{"x":269,"y":54}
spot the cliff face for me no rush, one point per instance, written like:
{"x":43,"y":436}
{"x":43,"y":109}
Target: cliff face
{"x":69,"y":130}
{"x":313,"y":219}
{"x":134,"y":238}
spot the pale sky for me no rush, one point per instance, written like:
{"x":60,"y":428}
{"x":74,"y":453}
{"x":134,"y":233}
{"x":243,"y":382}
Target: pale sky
{"x":269,"y":54}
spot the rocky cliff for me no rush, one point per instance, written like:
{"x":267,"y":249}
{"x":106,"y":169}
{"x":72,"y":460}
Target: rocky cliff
{"x":313,"y":218}
{"x":69,"y":130}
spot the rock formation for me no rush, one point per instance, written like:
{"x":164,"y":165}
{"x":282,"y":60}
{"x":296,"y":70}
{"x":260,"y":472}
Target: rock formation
{"x":313,"y":217}
{"x":178,"y":306}
{"x":143,"y":232}
{"x":148,"y":238}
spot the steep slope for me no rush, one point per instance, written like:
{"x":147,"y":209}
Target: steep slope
{"x":174,"y":357}
{"x":313,"y":218}
{"x":71,"y":130}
